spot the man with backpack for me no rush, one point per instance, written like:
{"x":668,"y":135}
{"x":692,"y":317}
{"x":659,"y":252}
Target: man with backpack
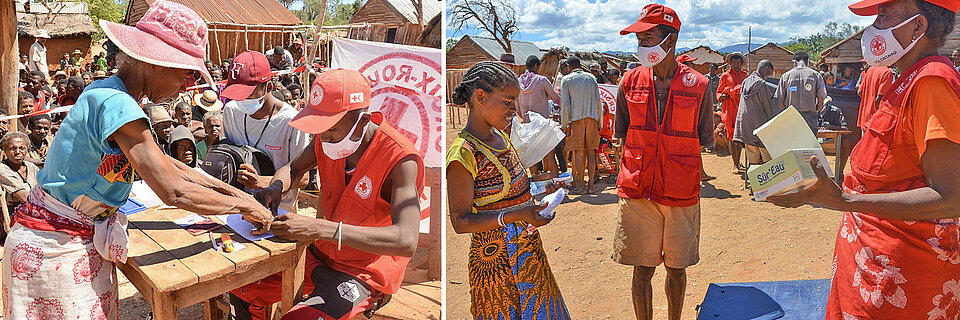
{"x":256,"y":118}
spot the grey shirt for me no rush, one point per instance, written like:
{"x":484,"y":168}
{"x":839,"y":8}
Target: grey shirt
{"x":712,"y":87}
{"x":579,"y":97}
{"x":704,"y":124}
{"x":801,"y":87}
{"x":757,"y":106}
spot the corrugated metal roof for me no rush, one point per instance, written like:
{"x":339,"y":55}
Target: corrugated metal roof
{"x":521,"y":49}
{"x":251,"y":12}
{"x":406,"y":10}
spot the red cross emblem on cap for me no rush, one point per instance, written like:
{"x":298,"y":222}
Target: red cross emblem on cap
{"x":878,"y":46}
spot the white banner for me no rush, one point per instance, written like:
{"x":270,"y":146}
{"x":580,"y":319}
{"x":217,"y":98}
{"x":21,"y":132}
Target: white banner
{"x":608,"y":94}
{"x":407,"y":88}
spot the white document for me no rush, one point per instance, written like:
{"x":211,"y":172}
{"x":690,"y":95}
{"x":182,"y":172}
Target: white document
{"x":141,"y":192}
{"x":787,"y":131}
{"x":553,"y":200}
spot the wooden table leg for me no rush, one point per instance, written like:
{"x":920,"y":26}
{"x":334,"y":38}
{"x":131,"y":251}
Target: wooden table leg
{"x":164,"y":307}
{"x":838,"y":172}
{"x":292,"y":282}
{"x":210,"y":309}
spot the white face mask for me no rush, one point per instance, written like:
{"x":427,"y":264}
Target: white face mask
{"x":249,"y":106}
{"x":344,"y":148}
{"x":881,"y":48}
{"x":651,"y":56}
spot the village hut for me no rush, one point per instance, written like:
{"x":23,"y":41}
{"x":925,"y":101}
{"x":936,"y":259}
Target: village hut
{"x":472,"y":49}
{"x":781,"y":57}
{"x":257,"y":25}
{"x":431,"y":35}
{"x":71,"y":29}
{"x":395,"y":21}
{"x":705,"y":56}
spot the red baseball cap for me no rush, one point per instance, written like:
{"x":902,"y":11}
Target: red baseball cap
{"x":869,"y":7}
{"x":333,"y":93}
{"x":683,"y":58}
{"x":653,"y":15}
{"x":248,"y":70}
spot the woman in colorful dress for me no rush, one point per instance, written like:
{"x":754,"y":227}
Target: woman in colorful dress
{"x":59,"y":257}
{"x":489,"y":194}
{"x":897,"y":253}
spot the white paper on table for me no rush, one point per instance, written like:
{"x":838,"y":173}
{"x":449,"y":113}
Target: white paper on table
{"x":553,"y":200}
{"x":787,"y":131}
{"x":141,"y":192}
{"x":244,"y":228}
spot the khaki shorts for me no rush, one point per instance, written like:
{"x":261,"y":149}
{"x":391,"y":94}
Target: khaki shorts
{"x":649,"y":234}
{"x":756,"y":155}
{"x":584,"y":135}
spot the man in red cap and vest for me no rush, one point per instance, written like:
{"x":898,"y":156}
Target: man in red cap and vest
{"x":665,"y":115}
{"x":371,"y":177}
{"x":897,"y":253}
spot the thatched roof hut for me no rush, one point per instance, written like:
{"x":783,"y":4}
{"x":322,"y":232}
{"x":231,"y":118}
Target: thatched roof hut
{"x":705,"y":56}
{"x":70,"y":30}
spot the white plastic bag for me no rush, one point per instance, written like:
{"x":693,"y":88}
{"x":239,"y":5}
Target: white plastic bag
{"x":533,"y":140}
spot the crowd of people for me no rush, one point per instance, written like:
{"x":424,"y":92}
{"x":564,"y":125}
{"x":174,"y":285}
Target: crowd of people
{"x":898,"y":202}
{"x":164,"y":115}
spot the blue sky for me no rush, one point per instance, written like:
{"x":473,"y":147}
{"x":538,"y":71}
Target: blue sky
{"x":587,"y":25}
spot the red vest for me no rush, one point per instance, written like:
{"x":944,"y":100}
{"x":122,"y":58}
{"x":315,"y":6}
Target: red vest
{"x":661,"y":162}
{"x":881,"y":161}
{"x":886,"y":268}
{"x":359,"y":203}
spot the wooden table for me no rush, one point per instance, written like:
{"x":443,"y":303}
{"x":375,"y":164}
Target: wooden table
{"x":836,"y":135}
{"x":173,"y":269}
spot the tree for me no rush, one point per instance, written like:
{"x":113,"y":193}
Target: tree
{"x":338,"y":12}
{"x":815,"y":44}
{"x":110,"y":10}
{"x":451,"y":42}
{"x":495,"y":17}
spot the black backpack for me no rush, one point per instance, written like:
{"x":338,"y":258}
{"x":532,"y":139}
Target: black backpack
{"x":224,"y":159}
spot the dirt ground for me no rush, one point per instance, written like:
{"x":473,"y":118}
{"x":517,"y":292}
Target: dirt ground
{"x":741,"y":240}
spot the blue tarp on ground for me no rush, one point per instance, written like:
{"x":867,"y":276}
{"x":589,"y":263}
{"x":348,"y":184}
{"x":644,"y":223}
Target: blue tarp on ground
{"x":800,"y":299}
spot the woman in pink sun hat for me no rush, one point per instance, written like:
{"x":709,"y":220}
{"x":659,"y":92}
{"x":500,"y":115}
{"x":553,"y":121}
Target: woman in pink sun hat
{"x":58,"y":262}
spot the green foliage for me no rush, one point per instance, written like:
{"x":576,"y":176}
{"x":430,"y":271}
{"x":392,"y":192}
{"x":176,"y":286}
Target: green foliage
{"x":815,"y":44}
{"x":451,"y":42}
{"x":339,"y":12}
{"x":110,"y":10}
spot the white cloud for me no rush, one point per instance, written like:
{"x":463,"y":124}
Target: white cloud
{"x":582,"y":25}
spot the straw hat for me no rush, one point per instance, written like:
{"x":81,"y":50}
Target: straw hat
{"x":100,"y":74}
{"x":157,"y":113}
{"x":208,"y":101}
{"x":169,"y":35}
{"x":77,"y":51}
{"x":42,"y":33}
{"x":727,"y":59}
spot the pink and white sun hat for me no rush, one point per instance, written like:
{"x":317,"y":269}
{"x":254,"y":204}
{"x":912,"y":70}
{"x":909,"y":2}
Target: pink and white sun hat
{"x":169,"y":35}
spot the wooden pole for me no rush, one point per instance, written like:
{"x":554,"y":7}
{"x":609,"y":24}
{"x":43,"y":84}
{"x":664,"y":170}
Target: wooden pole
{"x":9,"y":54}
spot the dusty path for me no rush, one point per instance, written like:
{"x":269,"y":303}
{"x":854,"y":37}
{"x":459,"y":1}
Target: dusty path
{"x":741,"y":240}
